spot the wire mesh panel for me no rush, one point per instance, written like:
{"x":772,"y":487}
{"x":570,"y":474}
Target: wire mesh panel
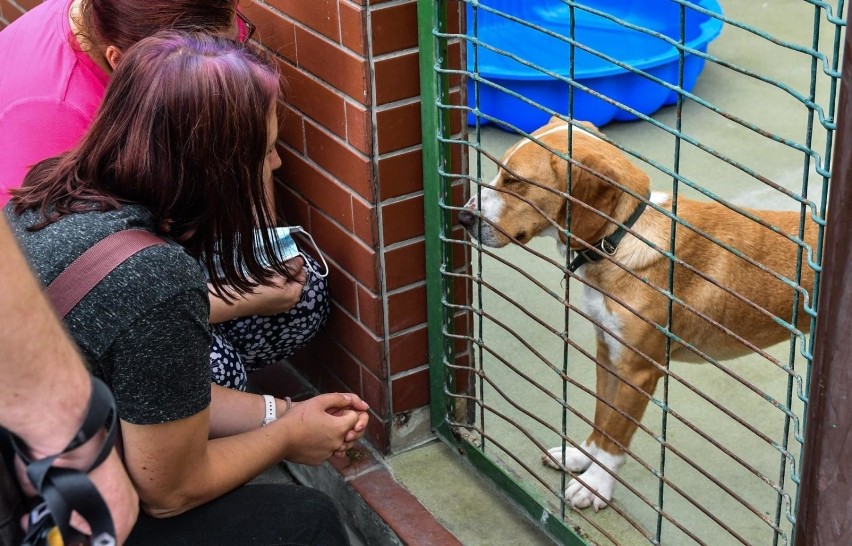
{"x":646,"y":199}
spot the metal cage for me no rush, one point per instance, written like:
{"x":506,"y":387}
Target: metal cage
{"x":746,"y":122}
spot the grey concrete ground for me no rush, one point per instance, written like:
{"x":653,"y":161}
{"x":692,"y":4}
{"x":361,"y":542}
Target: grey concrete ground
{"x":468,"y":506}
{"x":744,"y":508}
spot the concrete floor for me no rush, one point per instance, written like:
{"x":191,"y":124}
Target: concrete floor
{"x":475,"y":512}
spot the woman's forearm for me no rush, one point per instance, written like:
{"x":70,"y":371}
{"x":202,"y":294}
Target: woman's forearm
{"x":234,"y":412}
{"x":222,"y":311}
{"x":278,"y":296}
{"x":228,"y":463}
{"x":176,"y":467}
{"x":46,"y":386}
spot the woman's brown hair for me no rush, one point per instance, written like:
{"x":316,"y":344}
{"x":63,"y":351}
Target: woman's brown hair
{"x":182,"y":131}
{"x":122,"y":23}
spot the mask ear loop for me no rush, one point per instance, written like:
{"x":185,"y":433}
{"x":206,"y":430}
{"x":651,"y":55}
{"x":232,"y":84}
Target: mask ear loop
{"x":298,"y":229}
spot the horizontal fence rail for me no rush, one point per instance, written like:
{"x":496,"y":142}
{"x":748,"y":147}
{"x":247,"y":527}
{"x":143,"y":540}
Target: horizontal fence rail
{"x":656,"y":392}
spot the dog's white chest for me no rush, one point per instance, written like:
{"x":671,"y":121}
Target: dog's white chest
{"x":593,"y":304}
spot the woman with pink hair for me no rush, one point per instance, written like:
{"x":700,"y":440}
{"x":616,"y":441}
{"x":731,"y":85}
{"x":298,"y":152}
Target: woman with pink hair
{"x":187,"y":127}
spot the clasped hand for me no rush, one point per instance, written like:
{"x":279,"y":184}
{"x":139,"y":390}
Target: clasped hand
{"x":325,"y":425}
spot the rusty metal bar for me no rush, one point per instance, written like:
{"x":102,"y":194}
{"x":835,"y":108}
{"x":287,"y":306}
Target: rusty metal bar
{"x":640,"y":426}
{"x":616,"y":336}
{"x":808,"y":308}
{"x":824,"y":514}
{"x":512,"y":465}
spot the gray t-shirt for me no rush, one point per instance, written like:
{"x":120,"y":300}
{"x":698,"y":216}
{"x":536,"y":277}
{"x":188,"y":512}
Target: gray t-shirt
{"x":144,"y":328}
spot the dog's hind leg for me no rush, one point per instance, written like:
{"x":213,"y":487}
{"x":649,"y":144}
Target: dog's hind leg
{"x":575,"y":459}
{"x":632,"y":392}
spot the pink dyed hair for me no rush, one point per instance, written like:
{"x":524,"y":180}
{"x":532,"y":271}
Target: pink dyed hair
{"x":182,"y":130}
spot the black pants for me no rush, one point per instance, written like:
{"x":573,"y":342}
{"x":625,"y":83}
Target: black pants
{"x":11,"y":504}
{"x":263,"y":514}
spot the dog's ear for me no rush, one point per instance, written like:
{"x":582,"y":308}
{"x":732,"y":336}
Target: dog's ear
{"x":595,"y":182}
{"x":588,"y":188}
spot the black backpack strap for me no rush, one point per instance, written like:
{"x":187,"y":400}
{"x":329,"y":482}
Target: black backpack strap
{"x":11,"y":498}
{"x":65,"y":490}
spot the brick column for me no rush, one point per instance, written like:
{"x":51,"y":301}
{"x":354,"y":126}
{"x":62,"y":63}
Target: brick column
{"x":12,"y":9}
{"x":352,"y":175}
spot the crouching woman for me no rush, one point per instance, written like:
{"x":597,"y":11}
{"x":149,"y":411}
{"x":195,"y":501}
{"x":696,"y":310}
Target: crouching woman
{"x":183,"y":146}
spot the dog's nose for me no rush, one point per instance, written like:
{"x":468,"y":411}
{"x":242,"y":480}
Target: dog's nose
{"x":466,"y":218}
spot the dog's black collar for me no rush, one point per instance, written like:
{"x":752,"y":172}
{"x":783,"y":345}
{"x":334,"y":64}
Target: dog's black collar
{"x":609,"y":244}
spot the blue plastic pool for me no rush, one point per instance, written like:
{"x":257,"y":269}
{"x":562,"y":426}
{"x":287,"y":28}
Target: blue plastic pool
{"x":631,"y":47}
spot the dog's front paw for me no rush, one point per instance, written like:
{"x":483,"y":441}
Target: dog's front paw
{"x":575,"y":460}
{"x":581,"y":496}
{"x":596,"y":480}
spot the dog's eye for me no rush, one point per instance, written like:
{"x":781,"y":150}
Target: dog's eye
{"x":509,"y":182}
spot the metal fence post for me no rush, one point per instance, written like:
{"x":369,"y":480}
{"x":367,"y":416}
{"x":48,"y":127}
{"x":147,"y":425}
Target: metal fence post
{"x":825,"y":493}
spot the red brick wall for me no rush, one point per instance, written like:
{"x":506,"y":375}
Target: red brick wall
{"x":12,"y":9}
{"x":352,"y":175}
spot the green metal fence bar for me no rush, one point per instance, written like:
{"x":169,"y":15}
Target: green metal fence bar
{"x":824,"y":504}
{"x":477,"y":134}
{"x":432,"y":19}
{"x":805,"y":170}
{"x":680,"y":262}
{"x":810,"y":414}
{"x":566,"y":334}
{"x":671,"y":272}
{"x":828,"y":70}
{"x":435,"y":158}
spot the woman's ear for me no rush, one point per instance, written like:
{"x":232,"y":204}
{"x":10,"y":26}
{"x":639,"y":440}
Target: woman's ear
{"x":113,"y":55}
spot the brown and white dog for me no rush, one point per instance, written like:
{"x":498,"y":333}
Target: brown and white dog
{"x":528,"y":199}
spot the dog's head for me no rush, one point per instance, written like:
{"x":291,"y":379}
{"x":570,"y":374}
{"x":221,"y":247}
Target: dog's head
{"x":529,"y":192}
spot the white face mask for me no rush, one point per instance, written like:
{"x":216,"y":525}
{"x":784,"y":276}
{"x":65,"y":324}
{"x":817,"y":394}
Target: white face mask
{"x":286,"y":249}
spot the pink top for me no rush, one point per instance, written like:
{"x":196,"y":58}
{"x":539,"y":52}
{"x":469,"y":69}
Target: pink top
{"x":49,"y":91}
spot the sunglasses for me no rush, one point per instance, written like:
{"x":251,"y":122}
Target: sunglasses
{"x":250,"y":28}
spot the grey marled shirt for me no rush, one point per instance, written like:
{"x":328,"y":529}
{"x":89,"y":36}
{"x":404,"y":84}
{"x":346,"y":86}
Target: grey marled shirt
{"x":144,"y":328}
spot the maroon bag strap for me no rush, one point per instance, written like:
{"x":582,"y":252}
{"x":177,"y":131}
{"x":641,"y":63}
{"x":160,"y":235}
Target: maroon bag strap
{"x":94,"y":264}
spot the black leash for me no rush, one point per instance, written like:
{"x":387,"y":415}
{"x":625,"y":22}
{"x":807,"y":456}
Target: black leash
{"x":65,"y":490}
{"x":609,"y":244}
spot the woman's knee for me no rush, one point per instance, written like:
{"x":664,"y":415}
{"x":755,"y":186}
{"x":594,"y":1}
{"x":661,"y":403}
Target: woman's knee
{"x":321,"y":523}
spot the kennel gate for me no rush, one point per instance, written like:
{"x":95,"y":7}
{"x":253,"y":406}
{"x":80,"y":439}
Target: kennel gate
{"x":716,"y":459}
